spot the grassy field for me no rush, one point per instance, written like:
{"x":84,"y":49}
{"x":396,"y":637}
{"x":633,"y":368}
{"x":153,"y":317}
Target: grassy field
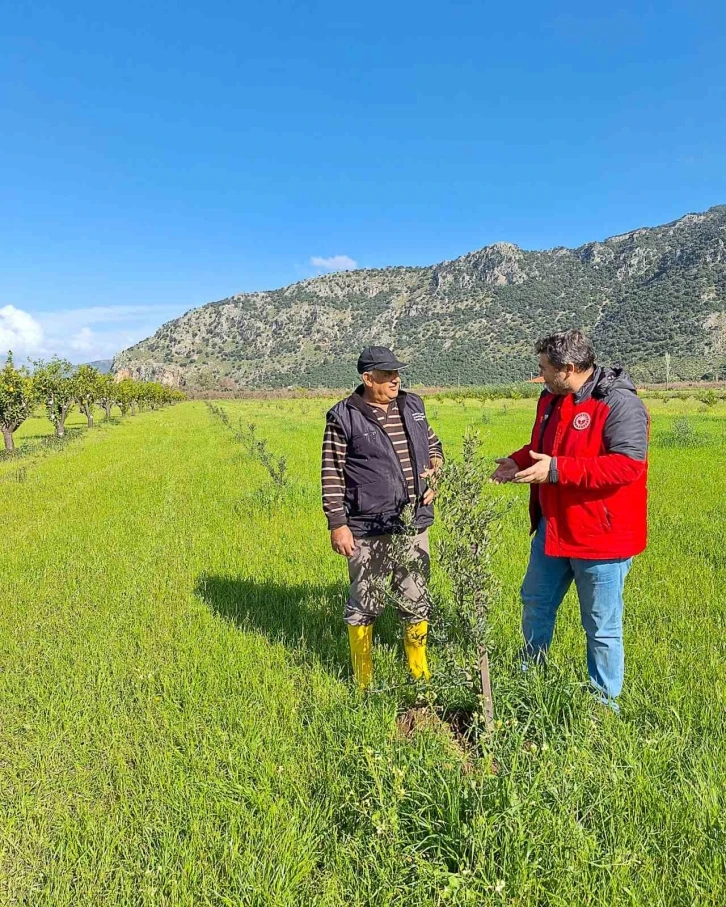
{"x":178,"y":726}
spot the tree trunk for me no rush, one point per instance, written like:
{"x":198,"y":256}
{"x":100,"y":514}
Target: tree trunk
{"x":88,"y":412}
{"x":8,"y":438}
{"x":107,"y":407}
{"x":60,"y":428}
{"x":133,"y":409}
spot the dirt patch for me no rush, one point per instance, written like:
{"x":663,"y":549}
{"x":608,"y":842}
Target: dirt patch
{"x":458,"y":726}
{"x":415,"y":719}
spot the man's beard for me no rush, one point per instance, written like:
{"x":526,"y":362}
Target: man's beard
{"x":557,"y":387}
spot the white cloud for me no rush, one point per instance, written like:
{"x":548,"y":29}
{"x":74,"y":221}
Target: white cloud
{"x":19,"y":331}
{"x":334,"y":263}
{"x":83,"y":341}
{"x":75,"y":319}
{"x":81,"y":335}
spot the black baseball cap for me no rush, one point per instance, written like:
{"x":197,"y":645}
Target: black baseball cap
{"x":378,"y":357}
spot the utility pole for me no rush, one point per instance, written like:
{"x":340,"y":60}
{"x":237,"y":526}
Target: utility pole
{"x":668,"y":369}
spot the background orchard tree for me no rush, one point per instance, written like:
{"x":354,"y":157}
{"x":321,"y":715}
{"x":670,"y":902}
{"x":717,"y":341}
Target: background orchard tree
{"x":56,"y":388}
{"x":106,"y":394}
{"x":158,"y":395}
{"x":86,"y":381}
{"x":155,"y":395}
{"x":17,"y":399}
{"x":126,"y":396}
{"x":143,"y":395}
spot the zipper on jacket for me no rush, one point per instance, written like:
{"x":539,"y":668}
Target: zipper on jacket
{"x":545,"y":423}
{"x":562,"y":425}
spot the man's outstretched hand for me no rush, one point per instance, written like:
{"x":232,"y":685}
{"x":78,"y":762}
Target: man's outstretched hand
{"x":505,"y":471}
{"x":342,"y":541}
{"x":537,"y":474}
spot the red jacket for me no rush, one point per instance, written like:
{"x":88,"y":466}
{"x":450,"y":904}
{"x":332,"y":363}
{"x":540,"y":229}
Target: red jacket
{"x":595,"y":503}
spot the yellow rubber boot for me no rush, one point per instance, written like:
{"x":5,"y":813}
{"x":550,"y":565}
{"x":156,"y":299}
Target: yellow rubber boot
{"x":414,"y":642}
{"x":361,"y":639}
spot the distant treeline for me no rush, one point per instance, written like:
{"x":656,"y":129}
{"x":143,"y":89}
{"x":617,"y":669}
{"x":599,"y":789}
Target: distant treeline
{"x":517,"y":391}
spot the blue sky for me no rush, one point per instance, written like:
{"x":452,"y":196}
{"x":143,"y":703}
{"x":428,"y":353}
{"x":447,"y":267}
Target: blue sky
{"x":157,"y":156}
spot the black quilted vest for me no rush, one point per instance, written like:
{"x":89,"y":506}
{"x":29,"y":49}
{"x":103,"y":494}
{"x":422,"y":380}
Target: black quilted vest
{"x":375,"y":487}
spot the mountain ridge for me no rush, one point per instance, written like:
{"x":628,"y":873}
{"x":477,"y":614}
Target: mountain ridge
{"x":471,"y":319}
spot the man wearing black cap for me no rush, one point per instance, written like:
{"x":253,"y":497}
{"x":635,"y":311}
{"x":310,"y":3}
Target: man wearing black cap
{"x":378,"y":452}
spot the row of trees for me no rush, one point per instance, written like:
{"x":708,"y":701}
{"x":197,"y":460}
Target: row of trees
{"x":59,"y":386}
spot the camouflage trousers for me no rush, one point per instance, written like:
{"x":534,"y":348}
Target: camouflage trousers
{"x":371,"y":569}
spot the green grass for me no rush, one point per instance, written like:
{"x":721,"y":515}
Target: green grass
{"x":177,"y":725}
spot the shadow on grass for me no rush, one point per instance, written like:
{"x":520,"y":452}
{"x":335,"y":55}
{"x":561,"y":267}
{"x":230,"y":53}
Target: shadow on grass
{"x":306,"y":618}
{"x":32,"y":444}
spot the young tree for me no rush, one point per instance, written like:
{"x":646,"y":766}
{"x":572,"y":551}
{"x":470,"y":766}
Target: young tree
{"x":106,"y":394}
{"x":86,"y":381}
{"x":17,"y":398}
{"x":470,"y":519}
{"x":56,"y":388}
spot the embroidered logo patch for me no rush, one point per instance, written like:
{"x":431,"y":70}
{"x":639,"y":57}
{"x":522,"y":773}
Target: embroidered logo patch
{"x":581,"y":421}
{"x":419,"y":417}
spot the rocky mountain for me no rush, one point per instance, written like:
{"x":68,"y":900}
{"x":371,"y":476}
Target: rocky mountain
{"x":472,"y":320}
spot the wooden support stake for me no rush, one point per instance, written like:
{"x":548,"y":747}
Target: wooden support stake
{"x":486,"y":687}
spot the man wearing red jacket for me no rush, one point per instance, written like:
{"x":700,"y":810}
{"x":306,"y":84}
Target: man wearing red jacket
{"x":587,"y":468}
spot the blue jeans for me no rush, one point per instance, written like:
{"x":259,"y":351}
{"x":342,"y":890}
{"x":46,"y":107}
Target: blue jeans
{"x":600,"y":591}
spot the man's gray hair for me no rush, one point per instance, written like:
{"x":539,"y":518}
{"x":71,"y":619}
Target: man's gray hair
{"x":567,"y":348}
